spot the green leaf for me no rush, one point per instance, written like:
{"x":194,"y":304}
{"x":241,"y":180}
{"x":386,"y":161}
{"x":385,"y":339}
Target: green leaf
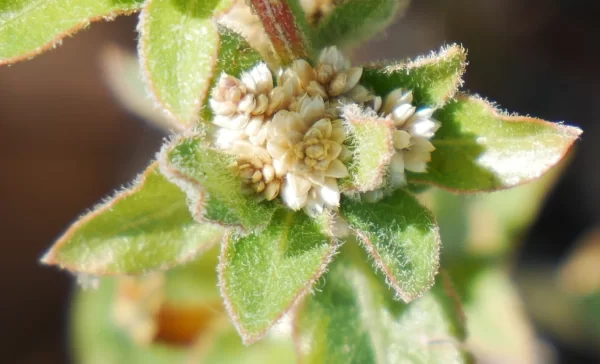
{"x":499,"y":329}
{"x":235,"y":54}
{"x":478,"y":148}
{"x":353,"y":21}
{"x":261,"y":276}
{"x":402,"y":238}
{"x":144,"y":228}
{"x":372,"y":149}
{"x":486,"y":225}
{"x":213,"y":189}
{"x":123,"y":77}
{"x":30,"y":27}
{"x":179,"y":46}
{"x":433,"y":79}
{"x":353,"y":319}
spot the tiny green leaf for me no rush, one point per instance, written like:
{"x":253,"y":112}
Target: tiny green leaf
{"x":372,"y":149}
{"x":179,"y":45}
{"x":235,"y":54}
{"x":144,"y":228}
{"x":353,"y":319}
{"x":213,"y":189}
{"x":30,"y":27}
{"x":261,"y":276}
{"x":433,"y":79}
{"x":402,"y":238}
{"x":353,"y":21}
{"x":479,"y":148}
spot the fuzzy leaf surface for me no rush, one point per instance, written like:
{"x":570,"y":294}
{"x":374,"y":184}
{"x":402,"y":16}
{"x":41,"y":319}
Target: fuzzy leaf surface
{"x":372,"y":150}
{"x":262,"y":275}
{"x":30,"y":27}
{"x":353,"y":319}
{"x":213,"y":189}
{"x":433,"y":79}
{"x":402,"y":238}
{"x":179,"y":46}
{"x":144,"y":228}
{"x":478,"y":148}
{"x":353,"y":21}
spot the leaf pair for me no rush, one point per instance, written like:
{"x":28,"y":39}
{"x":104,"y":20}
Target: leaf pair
{"x":181,"y":48}
{"x":478,"y":147}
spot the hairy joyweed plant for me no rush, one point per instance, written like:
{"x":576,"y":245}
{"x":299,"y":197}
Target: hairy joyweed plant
{"x":290,"y":158}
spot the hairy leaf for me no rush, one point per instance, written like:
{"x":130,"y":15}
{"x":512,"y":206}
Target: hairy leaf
{"x":30,"y":27}
{"x":144,"y":228}
{"x":353,"y":319}
{"x":179,"y":47}
{"x":213,"y":189}
{"x":478,"y":148}
{"x":402,"y":238}
{"x":433,"y":79}
{"x":353,"y":21}
{"x":372,"y":149}
{"x":261,"y":276}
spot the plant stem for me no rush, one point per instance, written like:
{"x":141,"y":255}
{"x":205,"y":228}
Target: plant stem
{"x":283,"y":28}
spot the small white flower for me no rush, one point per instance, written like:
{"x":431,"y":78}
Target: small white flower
{"x":255,"y":168}
{"x":288,"y":139}
{"x":244,"y":105}
{"x":414,"y":128}
{"x":307,"y":148}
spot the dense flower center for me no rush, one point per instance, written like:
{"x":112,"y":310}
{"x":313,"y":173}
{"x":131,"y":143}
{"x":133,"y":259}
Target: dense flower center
{"x":289,"y":139}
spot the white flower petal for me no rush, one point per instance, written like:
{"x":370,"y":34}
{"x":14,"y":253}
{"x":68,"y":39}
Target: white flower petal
{"x":416,"y":161}
{"x":330,"y":192}
{"x":402,"y":113}
{"x":397,"y":176}
{"x":336,"y":169}
{"x":314,"y":205}
{"x":401,"y":139}
{"x":294,"y":191}
{"x":231,"y":122}
{"x":422,"y":127}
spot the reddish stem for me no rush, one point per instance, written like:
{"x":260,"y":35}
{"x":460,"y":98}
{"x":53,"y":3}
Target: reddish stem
{"x":282,"y":28}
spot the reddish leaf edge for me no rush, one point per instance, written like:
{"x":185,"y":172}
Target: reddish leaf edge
{"x":57,"y":40}
{"x":250,"y":338}
{"x":193,"y":119}
{"x":49,"y":258}
{"x":572,"y":131}
{"x":196,"y":195}
{"x":433,"y":57}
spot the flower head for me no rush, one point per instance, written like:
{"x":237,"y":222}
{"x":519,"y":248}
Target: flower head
{"x":307,"y":147}
{"x":413,"y":129}
{"x":288,"y":136}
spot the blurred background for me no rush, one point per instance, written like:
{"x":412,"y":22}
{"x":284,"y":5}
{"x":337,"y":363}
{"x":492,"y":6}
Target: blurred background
{"x":65,"y":144}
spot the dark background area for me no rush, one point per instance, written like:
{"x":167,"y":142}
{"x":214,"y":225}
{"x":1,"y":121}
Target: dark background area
{"x":65,"y":143}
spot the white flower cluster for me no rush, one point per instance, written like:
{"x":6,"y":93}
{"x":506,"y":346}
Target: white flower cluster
{"x":288,"y":136}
